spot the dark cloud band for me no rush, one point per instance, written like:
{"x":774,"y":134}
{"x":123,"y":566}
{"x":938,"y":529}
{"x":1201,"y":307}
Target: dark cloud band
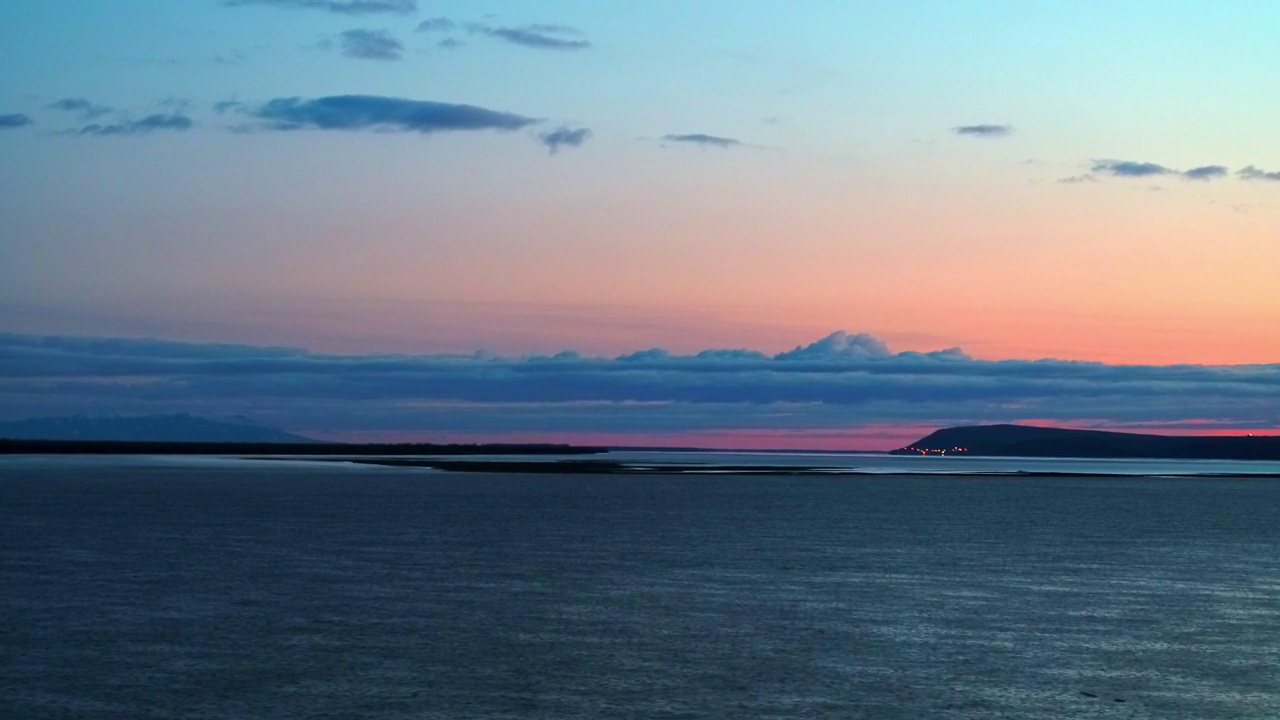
{"x":839,"y":381}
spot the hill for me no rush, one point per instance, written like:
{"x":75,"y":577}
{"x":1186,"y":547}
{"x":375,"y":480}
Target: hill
{"x":1028,"y":441}
{"x":144,"y":428}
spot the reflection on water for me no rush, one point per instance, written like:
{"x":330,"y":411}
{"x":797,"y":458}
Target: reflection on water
{"x":213,"y":589}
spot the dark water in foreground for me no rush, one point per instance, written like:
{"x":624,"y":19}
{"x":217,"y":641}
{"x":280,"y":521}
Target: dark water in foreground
{"x":142,"y":588}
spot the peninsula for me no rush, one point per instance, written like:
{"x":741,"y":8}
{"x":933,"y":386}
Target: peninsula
{"x":1029,"y":441}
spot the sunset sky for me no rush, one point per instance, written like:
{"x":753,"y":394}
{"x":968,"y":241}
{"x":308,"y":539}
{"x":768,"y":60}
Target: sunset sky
{"x":1060,"y":212}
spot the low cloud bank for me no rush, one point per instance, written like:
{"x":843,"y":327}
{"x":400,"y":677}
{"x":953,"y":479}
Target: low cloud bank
{"x":841,"y":381}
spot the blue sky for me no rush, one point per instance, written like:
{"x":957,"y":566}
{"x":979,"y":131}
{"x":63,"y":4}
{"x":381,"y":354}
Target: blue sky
{"x":1024,"y":180}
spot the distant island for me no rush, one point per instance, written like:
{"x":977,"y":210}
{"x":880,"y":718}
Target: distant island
{"x":1029,"y":441}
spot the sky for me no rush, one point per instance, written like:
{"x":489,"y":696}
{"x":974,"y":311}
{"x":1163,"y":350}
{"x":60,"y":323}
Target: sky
{"x":408,"y":219}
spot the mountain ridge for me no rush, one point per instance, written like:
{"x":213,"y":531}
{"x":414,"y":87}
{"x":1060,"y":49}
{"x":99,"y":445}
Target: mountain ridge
{"x":179,"y":427}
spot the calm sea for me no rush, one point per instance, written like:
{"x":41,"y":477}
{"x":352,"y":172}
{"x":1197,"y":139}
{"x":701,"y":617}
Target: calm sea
{"x":215,"y":588}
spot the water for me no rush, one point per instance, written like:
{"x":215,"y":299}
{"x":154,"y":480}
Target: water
{"x":948,"y":464}
{"x":215,"y":588}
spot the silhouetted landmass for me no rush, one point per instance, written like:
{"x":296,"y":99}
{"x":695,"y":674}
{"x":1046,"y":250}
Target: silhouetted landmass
{"x":182,"y":427}
{"x":1026,"y":441}
{"x":110,"y":447}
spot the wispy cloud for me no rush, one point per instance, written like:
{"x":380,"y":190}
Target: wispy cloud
{"x":1205,"y":172}
{"x":843,"y":380}
{"x":375,"y":112}
{"x":704,"y":140}
{"x":1253,"y":173}
{"x":1078,"y":179}
{"x":437,"y":24}
{"x":234,"y":57}
{"x":81,"y":107}
{"x":178,"y":103}
{"x":342,"y":7}
{"x":16,"y":120}
{"x":1129,"y":168}
{"x":371,"y":45}
{"x":564,"y":136}
{"x":983,"y":130}
{"x":1134,"y":169}
{"x":145,"y":126}
{"x":540,"y":37}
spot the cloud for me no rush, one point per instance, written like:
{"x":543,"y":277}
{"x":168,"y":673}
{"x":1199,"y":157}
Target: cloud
{"x":80,"y":106}
{"x":1133,"y":169}
{"x":1205,"y":173}
{"x":541,"y":37}
{"x":178,"y":103}
{"x":1129,"y":168}
{"x":234,"y":57}
{"x":841,"y":381}
{"x":371,"y":45}
{"x":1253,"y":173}
{"x":839,"y":345}
{"x":704,"y":140}
{"x":437,"y":24}
{"x":983,"y":130}
{"x":147,"y":125}
{"x":564,"y":136}
{"x":342,"y":7}
{"x":16,"y":120}
{"x":1078,"y":179}
{"x":375,"y":112}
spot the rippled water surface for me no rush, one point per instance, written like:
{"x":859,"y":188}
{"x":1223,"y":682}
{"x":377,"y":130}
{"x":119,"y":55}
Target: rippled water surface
{"x":149,"y":588}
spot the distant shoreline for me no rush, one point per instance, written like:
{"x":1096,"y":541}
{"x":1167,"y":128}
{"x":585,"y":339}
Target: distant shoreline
{"x":619,"y":467}
{"x":134,"y":447}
